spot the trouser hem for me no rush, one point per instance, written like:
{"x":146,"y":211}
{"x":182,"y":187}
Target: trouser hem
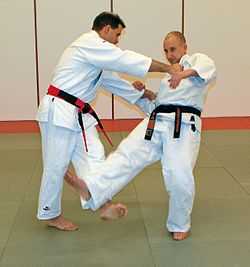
{"x":48,"y":217}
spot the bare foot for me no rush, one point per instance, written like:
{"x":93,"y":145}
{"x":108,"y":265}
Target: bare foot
{"x":178,"y":236}
{"x":78,"y":184}
{"x":112,"y":211}
{"x":62,"y":224}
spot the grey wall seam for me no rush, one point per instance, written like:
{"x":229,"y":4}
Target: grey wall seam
{"x":112,"y":96}
{"x":36,"y":53}
{"x":111,"y":6}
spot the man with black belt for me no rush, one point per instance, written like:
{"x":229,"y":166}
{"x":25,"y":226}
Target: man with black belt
{"x":67,"y":121}
{"x":170,"y":134}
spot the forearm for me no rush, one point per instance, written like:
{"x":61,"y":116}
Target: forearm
{"x":188,"y":73}
{"x":157,"y":66}
{"x":177,"y":77}
{"x":146,"y":105}
{"x":120,"y":87}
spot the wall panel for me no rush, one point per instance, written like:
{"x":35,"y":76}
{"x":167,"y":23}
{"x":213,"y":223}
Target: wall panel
{"x":18,"y":82}
{"x":221,"y":30}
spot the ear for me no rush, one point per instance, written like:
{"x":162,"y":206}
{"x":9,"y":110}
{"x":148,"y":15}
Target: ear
{"x":106,"y":28}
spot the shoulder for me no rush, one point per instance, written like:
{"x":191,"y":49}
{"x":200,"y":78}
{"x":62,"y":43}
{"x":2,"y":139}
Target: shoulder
{"x":88,"y":39}
{"x":197,"y":58}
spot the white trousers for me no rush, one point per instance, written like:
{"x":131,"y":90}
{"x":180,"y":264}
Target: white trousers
{"x":60,"y":146}
{"x":177,"y":155}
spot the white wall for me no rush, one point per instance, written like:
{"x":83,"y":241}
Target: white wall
{"x":147,"y":24}
{"x":60,"y":23}
{"x":217,"y":28}
{"x":17,"y":61}
{"x":221,"y":29}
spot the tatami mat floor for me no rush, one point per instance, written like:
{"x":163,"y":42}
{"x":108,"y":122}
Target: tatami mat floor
{"x":221,"y":215}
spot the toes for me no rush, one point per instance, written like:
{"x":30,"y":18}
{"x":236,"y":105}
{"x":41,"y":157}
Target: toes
{"x":122,"y":210}
{"x":72,"y":227}
{"x":69,"y":175}
{"x":178,"y":236}
{"x":65,"y":227}
{"x":60,"y":223}
{"x":113,"y":211}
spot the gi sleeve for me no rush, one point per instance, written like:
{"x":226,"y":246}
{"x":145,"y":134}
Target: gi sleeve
{"x":107,"y":56}
{"x":146,"y":105}
{"x":116,"y":85}
{"x":204,"y":66}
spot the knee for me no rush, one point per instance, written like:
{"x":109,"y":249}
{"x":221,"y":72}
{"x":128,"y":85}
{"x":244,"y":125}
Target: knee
{"x":55,"y":169}
{"x":179,"y":181}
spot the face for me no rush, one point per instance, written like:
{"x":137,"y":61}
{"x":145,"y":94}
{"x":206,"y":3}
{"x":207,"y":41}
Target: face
{"x":174,"y":49}
{"x":111,"y":35}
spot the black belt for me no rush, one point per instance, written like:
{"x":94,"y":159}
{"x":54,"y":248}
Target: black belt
{"x":178,"y":110}
{"x":82,"y":108}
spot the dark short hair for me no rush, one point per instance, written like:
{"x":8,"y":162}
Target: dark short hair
{"x":107,"y":18}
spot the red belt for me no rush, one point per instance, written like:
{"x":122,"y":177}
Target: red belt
{"x":82,"y":108}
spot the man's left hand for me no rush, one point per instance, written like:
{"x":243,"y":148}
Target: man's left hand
{"x":175,"y":79}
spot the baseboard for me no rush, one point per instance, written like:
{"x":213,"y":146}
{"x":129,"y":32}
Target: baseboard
{"x":218,"y":123}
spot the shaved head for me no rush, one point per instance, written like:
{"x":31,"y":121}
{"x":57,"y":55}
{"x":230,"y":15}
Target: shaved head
{"x":174,"y":46}
{"x":178,"y":35}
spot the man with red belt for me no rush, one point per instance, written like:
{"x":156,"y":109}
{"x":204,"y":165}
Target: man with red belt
{"x":84,"y":66}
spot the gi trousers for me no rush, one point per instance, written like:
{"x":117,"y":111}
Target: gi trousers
{"x":177,"y":155}
{"x":60,"y":146}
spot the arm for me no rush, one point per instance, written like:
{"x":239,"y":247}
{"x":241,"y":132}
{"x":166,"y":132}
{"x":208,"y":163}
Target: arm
{"x":130,"y":92}
{"x":204,"y":66}
{"x":188,"y":73}
{"x":147,"y":93}
{"x":178,"y":76}
{"x":120,"y":87}
{"x":200,"y":66}
{"x":146,"y":103}
{"x":107,"y":56}
{"x":157,"y":66}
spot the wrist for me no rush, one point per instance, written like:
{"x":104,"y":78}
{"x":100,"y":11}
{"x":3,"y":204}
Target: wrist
{"x":183,"y":75}
{"x":142,"y":93}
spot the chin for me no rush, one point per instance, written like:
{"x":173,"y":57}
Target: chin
{"x":172,"y":61}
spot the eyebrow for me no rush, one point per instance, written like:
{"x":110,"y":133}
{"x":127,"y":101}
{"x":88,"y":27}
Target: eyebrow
{"x":170,"y":48}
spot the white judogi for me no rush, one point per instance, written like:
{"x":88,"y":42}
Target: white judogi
{"x":84,"y":66}
{"x":177,"y":155}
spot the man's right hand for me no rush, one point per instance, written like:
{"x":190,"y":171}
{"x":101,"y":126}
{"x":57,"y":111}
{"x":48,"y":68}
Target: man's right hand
{"x":138,"y":85}
{"x":149,"y":95}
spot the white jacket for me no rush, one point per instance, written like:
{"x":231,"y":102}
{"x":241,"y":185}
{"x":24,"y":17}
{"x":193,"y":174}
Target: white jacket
{"x":85,"y":65}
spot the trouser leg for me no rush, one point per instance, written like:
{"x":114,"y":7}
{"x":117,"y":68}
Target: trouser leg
{"x":58,"y":145}
{"x":122,"y":165}
{"x":179,"y":157}
{"x":85,"y":162}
